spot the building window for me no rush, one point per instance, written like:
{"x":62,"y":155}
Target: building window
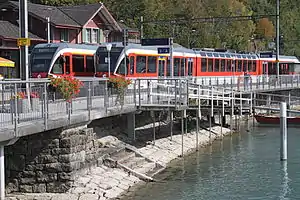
{"x":92,"y":35}
{"x":88,"y":35}
{"x":64,"y":35}
{"x":95,"y":35}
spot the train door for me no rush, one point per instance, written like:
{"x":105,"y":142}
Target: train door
{"x":67,"y":64}
{"x":161,"y":67}
{"x":265,"y":68}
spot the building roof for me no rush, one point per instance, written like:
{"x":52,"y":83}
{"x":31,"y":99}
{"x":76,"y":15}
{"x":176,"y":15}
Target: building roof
{"x":56,"y":16}
{"x":81,"y":13}
{"x":9,"y":30}
{"x":74,"y":16}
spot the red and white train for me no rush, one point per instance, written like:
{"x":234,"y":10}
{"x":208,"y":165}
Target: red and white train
{"x":144,"y":61}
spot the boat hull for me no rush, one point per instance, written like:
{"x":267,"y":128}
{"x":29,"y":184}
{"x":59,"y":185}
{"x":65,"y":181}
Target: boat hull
{"x":276,"y":120}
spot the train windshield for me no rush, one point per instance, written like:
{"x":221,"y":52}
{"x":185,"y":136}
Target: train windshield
{"x":103,"y":56}
{"x":41,"y":59}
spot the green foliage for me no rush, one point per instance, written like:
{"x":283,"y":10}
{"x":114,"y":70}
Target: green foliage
{"x":239,"y":35}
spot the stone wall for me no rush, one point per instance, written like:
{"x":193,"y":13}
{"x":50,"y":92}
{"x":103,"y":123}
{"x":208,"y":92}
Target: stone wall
{"x":50,"y":161}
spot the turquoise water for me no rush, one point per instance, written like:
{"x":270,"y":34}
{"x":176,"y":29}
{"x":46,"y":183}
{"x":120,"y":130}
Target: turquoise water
{"x":245,"y":166}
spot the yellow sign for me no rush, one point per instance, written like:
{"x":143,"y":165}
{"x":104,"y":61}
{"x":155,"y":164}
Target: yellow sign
{"x":23,"y":42}
{"x":276,"y":60}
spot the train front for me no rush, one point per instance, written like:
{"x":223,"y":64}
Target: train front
{"x":107,"y":59}
{"x":40,"y":61}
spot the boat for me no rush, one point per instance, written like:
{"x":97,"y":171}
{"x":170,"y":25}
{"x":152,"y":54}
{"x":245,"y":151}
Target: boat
{"x":273,"y":119}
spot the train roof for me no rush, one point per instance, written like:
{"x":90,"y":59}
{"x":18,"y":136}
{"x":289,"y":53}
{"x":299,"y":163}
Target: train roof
{"x":67,"y":45}
{"x":180,"y":49}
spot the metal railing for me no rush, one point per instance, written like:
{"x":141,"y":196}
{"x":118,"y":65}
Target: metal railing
{"x":98,"y":95}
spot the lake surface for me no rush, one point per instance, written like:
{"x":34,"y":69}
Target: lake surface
{"x":245,"y":166}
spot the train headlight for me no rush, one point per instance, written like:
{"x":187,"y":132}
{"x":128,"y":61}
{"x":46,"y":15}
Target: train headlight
{"x":104,"y":76}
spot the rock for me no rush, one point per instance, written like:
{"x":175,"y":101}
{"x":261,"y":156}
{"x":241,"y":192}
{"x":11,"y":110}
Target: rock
{"x":39,"y":188}
{"x":26,"y":188}
{"x":89,"y":197}
{"x":63,"y":176}
{"x":64,"y":197}
{"x":45,"y":177}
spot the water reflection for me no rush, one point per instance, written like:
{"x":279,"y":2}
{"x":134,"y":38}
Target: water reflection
{"x":243,"y":166}
{"x":285,"y":182}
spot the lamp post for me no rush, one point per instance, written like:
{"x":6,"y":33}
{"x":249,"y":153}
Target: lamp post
{"x":108,"y":47}
{"x":277,"y":39}
{"x":48,"y":29}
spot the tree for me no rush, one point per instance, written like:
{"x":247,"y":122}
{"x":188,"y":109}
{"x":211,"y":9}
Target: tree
{"x":265,"y":29}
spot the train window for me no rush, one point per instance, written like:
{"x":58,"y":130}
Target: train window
{"x":141,"y":64}
{"x":217,"y":65}
{"x":228,"y":66}
{"x":182,"y":67}
{"x":131,"y":64}
{"x":210,"y":65}
{"x":203,"y":64}
{"x":169,"y":68}
{"x":90,"y":64}
{"x":190,"y":66}
{"x":152,"y":64}
{"x":122,"y":69}
{"x":176,"y":66}
{"x":67,"y":64}
{"x":223,"y":65}
{"x":58,"y":66}
{"x":245,"y":65}
{"x":240,"y":65}
{"x":254,"y":66}
{"x":78,"y":63}
{"x":249,"y":65}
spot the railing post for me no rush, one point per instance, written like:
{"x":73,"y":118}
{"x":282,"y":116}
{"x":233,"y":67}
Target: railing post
{"x":148,"y":91}
{"x":106,"y":100}
{"x":89,"y":100}
{"x":16,"y":109}
{"x":45,"y":113}
{"x":2,"y":88}
{"x":134,"y":93}
{"x":187,"y":92}
{"x":139,"y":89}
{"x":176,"y":98}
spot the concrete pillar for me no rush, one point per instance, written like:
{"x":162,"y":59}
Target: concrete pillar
{"x":131,"y":125}
{"x":2,"y":173}
{"x":171,"y":123}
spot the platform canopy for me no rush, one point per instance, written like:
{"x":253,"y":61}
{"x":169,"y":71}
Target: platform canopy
{"x":6,"y":63}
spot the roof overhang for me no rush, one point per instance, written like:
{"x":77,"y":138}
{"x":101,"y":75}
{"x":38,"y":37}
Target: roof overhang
{"x":108,"y":19}
{"x":6,"y":63}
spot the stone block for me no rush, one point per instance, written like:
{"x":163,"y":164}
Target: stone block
{"x":13,"y":186}
{"x":39,"y":188}
{"x":53,"y":167}
{"x":42,"y":177}
{"x":26,"y":188}
{"x":54,"y":143}
{"x":58,"y":187}
{"x":89,"y":197}
{"x":65,"y":143}
{"x":43,"y":159}
{"x":64,"y":197}
{"x":34,"y":167}
{"x":27,"y":181}
{"x":88,"y":132}
{"x":27,"y":174}
{"x":80,"y":156}
{"x":63,"y":176}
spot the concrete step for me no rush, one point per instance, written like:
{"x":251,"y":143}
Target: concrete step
{"x":143,"y":169}
{"x":156,"y":170}
{"x":134,"y":162}
{"x":120,"y":154}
